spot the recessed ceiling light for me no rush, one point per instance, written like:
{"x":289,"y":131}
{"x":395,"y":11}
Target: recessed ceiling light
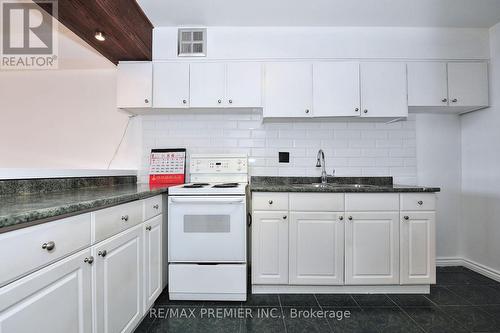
{"x":99,"y":35}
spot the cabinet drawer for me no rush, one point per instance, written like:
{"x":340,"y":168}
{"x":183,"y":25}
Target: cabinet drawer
{"x":418,"y":201}
{"x":152,"y":207}
{"x":371,"y":202}
{"x":23,"y":251}
{"x":317,"y":202}
{"x":110,"y":221}
{"x":270,"y":201}
{"x":207,"y":282}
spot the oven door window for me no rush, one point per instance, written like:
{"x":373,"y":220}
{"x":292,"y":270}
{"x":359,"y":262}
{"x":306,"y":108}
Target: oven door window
{"x":207,"y":223}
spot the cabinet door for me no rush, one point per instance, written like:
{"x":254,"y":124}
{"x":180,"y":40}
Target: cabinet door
{"x":118,"y":281}
{"x":134,"y":84}
{"x":418,"y":252}
{"x":336,"y":89}
{"x":56,"y":299}
{"x":270,"y":247}
{"x":468,"y":84}
{"x":244,"y":84}
{"x":171,"y":85}
{"x":316,"y":248}
{"x":153,"y":255}
{"x":383,"y":89}
{"x":427,"y":84}
{"x":288,"y":90}
{"x":208,"y":85}
{"x":372,"y":248}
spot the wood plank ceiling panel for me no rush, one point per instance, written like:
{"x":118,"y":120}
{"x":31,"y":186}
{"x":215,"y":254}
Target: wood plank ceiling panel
{"x":128,"y":31}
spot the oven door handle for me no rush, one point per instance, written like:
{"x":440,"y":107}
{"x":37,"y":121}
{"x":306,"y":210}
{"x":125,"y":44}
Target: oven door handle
{"x":207,"y":200}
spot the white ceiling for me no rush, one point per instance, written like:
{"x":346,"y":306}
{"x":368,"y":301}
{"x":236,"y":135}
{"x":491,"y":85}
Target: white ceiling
{"x":408,"y":13}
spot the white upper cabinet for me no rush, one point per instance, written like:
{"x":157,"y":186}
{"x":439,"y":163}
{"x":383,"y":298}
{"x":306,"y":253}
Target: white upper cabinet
{"x":468,"y":84}
{"x":383,"y":89}
{"x":243,"y":84}
{"x":171,"y":85}
{"x":427,"y":84}
{"x":208,"y":85}
{"x":134,"y":84}
{"x":336,"y":89}
{"x":288,"y":89}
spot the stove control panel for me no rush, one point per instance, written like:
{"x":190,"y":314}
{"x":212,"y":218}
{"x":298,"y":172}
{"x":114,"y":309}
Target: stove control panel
{"x":218,"y":164}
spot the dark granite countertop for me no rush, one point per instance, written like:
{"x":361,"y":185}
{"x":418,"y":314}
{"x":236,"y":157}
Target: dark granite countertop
{"x":22,"y":210}
{"x":335,"y":184}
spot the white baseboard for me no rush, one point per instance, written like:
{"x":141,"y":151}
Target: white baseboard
{"x":470,"y":264}
{"x":341,"y":289}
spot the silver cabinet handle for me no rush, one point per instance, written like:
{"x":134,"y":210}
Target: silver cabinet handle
{"x":219,"y":101}
{"x":406,"y":218}
{"x":307,"y":110}
{"x":89,"y":260}
{"x":156,"y":206}
{"x":420,"y":202}
{"x":230,"y":101}
{"x":270,"y":202}
{"x":125,"y":218}
{"x":444,"y":100}
{"x":454,"y":100}
{"x":356,"y":109}
{"x":341,"y":218}
{"x":350,"y":218}
{"x":102,"y":253}
{"x":284,"y":217}
{"x":49,"y":246}
{"x":148,"y":228}
{"x":365,"y":111}
{"x":146,"y":101}
{"x":184,"y":101}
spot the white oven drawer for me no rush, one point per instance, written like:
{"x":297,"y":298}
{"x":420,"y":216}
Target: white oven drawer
{"x":207,"y":229}
{"x":207,"y":282}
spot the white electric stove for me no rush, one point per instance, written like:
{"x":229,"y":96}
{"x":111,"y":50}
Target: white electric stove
{"x":207,"y":230}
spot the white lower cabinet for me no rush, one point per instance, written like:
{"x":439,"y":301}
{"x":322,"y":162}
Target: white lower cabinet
{"x":270,"y":247}
{"x":56,"y":299}
{"x":372,"y":248}
{"x":153,"y":257}
{"x":118,"y":282}
{"x":418,"y":249}
{"x":316,"y":248}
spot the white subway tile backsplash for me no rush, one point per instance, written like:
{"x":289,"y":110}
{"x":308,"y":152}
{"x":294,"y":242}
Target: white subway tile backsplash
{"x":352,"y":147}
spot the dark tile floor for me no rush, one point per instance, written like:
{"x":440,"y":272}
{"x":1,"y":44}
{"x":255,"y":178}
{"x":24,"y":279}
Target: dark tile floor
{"x":461,"y":301}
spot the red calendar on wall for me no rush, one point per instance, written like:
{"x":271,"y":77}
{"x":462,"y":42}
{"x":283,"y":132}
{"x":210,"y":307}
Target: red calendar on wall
{"x":167,"y":166}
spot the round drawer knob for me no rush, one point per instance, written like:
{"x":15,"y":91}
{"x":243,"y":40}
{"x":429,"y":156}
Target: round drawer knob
{"x":454,"y":100}
{"x":49,"y":246}
{"x":406,"y":218}
{"x":270,"y":202}
{"x":284,"y":217}
{"x":146,"y":101}
{"x":89,"y":260}
{"x":356,"y":109}
{"x":102,"y":253}
{"x":148,"y":228}
{"x":156,"y":206}
{"x":420,"y":202}
{"x":230,"y":101}
{"x":341,"y":218}
{"x":365,"y":111}
{"x":307,"y":110}
{"x":219,"y":101}
{"x":184,"y":101}
{"x":444,"y":100}
{"x":350,"y":218}
{"x":125,"y":218}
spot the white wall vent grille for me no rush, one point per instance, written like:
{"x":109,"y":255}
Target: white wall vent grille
{"x":192,"y":43}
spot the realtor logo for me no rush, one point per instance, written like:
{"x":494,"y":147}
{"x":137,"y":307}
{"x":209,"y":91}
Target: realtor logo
{"x":29,"y":34}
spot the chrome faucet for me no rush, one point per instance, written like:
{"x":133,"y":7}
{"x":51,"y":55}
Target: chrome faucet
{"x":321,"y":163}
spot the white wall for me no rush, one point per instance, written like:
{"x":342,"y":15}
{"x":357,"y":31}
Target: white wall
{"x":65,"y":118}
{"x":332,"y":42}
{"x":353,"y":148}
{"x":481,"y":173}
{"x":439,"y":164}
